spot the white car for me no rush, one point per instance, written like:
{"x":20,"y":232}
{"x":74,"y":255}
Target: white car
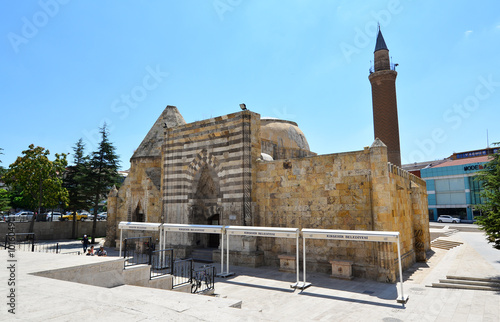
{"x":447,"y":218}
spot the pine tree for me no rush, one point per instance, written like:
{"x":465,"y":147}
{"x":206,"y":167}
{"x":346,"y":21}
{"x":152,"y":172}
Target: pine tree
{"x":101,"y":173}
{"x":4,"y":194}
{"x":490,"y":221}
{"x":74,"y":182}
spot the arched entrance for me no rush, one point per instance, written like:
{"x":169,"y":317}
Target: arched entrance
{"x":204,"y":205}
{"x":138,"y":214}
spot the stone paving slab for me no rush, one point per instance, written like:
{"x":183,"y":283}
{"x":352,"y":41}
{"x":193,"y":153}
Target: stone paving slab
{"x":265,"y":293}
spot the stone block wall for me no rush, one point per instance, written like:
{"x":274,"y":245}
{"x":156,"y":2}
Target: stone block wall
{"x":347,"y":191}
{"x":209,"y":168}
{"x":138,"y":199}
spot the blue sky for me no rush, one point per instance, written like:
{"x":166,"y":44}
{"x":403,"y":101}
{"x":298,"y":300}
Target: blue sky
{"x":68,"y":66}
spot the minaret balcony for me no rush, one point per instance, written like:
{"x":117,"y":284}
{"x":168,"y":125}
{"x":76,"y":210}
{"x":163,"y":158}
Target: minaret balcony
{"x":382,"y":65}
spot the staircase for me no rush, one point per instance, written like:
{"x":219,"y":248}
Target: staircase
{"x":444,"y":244}
{"x":202,"y":255}
{"x":469,"y":283}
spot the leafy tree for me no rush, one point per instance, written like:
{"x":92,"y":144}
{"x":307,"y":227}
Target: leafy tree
{"x":74,"y":182}
{"x":38,"y":179}
{"x":1,"y":168}
{"x":490,"y":221}
{"x":4,"y":200}
{"x":4,"y":194}
{"x":101,"y":173}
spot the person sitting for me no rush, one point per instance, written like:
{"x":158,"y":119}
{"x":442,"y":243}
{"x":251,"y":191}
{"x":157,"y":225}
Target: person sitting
{"x":102,"y":252}
{"x":91,"y":251}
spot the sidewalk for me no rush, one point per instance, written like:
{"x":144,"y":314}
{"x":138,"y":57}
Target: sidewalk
{"x":265,"y":293}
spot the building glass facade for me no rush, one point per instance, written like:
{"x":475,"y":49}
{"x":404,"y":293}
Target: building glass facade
{"x":452,"y":189}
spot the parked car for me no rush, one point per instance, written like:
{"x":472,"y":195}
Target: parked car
{"x":53,"y":216}
{"x":79,"y":216}
{"x":22,"y":216}
{"x":447,"y":218}
{"x":100,"y":216}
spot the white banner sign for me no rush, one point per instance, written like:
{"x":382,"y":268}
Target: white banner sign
{"x":207,"y":229}
{"x":359,"y":235}
{"x":262,"y":231}
{"x":139,"y":226}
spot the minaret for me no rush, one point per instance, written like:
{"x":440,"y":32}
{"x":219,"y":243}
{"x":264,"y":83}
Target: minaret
{"x":385,"y":109}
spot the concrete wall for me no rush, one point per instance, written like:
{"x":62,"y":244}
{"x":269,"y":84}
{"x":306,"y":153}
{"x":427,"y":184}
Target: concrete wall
{"x":56,"y":229}
{"x":110,"y":273}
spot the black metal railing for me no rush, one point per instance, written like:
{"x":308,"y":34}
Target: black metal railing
{"x":26,"y":242}
{"x":48,"y":248}
{"x":162,"y":262}
{"x":21,"y":241}
{"x":183,"y":272}
{"x":382,"y":65}
{"x":203,"y":279}
{"x":138,"y":250}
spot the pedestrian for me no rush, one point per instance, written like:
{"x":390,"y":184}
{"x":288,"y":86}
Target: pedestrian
{"x":102,"y":252}
{"x":85,"y":242}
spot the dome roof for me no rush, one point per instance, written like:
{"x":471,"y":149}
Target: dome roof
{"x":285,"y":133}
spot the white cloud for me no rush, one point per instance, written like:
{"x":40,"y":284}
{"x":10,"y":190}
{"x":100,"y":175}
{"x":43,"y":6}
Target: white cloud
{"x":468,"y":33}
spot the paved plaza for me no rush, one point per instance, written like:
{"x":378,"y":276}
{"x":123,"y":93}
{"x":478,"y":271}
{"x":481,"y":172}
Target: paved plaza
{"x":264,"y":294}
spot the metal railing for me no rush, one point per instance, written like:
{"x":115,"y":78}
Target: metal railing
{"x":21,"y":241}
{"x":183,"y":272}
{"x":162,"y":262}
{"x":137,"y":251}
{"x":47,"y":248}
{"x":26,"y":242}
{"x":203,"y":279}
{"x":382,"y":65}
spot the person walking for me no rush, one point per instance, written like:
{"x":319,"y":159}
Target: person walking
{"x":85,"y":242}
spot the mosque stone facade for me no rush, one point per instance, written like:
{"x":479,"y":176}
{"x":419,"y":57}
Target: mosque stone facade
{"x":244,"y":170}
{"x":215,"y":172}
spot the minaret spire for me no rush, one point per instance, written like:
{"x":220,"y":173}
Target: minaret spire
{"x":385,"y":110}
{"x":380,"y":41}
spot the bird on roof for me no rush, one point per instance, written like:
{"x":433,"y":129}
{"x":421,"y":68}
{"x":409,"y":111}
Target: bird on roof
{"x":243,"y":107}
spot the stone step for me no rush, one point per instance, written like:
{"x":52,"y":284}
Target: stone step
{"x":466,"y":278}
{"x":450,"y":232}
{"x":470,"y":282}
{"x":445,"y":244}
{"x":465,"y":287}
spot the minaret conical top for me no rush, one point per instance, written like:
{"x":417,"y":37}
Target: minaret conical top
{"x":380,"y":41}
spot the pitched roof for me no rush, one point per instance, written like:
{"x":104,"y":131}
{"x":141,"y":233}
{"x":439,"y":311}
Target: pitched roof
{"x":151,"y":145}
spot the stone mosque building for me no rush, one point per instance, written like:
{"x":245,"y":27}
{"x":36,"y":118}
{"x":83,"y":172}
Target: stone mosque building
{"x":246,"y":170}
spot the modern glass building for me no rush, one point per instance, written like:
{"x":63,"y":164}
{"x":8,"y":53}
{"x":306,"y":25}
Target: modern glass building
{"x":451,"y":187}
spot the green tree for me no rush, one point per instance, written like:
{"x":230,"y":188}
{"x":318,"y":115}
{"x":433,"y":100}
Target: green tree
{"x":4,"y":194}
{"x":4,"y":200}
{"x":101,"y":173}
{"x":38,"y":180}
{"x":74,"y":182}
{"x":490,"y":221}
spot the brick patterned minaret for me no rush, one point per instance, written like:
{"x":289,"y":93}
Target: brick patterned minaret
{"x":385,"y":109}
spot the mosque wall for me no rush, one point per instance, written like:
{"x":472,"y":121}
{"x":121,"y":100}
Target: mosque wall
{"x":347,"y":191}
{"x":208,"y":171}
{"x":138,"y":199}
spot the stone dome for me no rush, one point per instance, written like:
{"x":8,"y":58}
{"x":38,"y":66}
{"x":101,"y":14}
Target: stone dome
{"x":286,"y":134}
